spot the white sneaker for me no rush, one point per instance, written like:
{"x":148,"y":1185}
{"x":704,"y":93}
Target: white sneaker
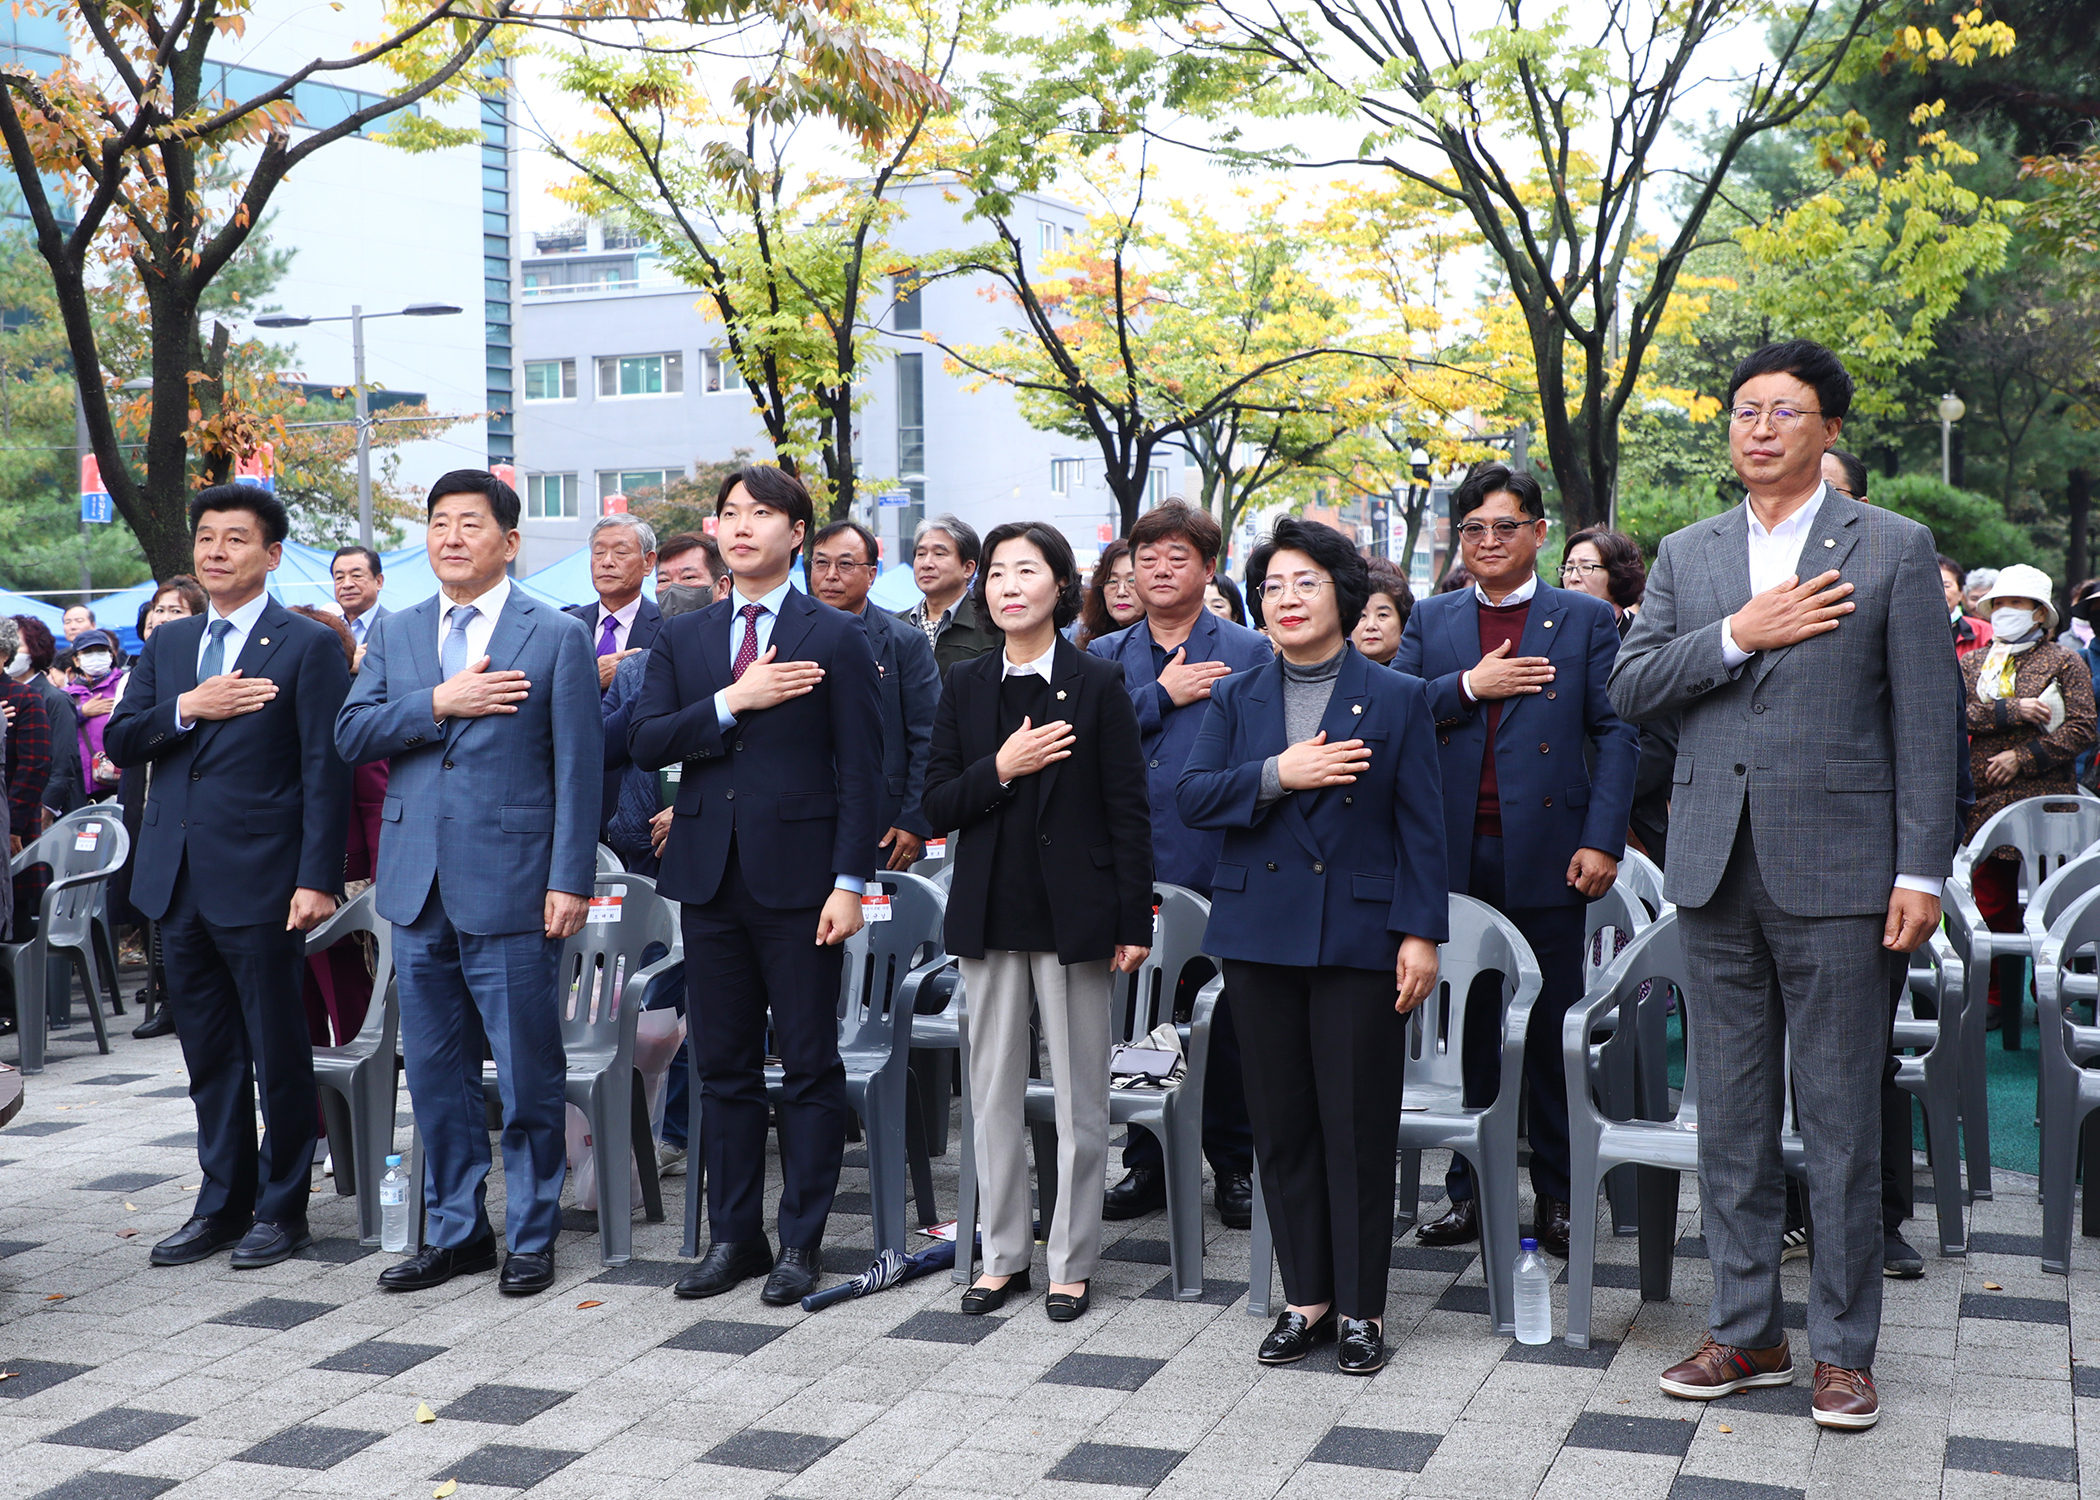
{"x":670,"y":1160}
{"x":1794,"y":1245}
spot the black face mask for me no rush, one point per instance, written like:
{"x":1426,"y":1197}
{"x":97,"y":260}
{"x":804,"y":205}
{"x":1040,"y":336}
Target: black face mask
{"x":2088,"y":609}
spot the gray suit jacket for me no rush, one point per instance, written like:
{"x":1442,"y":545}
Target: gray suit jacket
{"x":1838,"y":746}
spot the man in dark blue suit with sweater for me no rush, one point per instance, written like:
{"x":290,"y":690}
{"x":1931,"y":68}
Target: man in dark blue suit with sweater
{"x":240,"y":852}
{"x":768,"y":704}
{"x":1171,"y":659}
{"x":1538,"y":781}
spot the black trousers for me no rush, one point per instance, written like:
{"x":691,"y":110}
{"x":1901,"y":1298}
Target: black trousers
{"x":242,"y":1026}
{"x":744,"y":961}
{"x":1555,"y":936}
{"x":1325,"y":1057}
{"x":1228,"y":1141}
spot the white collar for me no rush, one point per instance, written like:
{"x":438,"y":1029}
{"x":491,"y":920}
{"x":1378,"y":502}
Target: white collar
{"x":625,"y":614}
{"x":242,"y":619}
{"x":1794,"y":525}
{"x":1521,"y":594}
{"x":490,"y":604}
{"x":770,"y":602}
{"x":1040,"y":666}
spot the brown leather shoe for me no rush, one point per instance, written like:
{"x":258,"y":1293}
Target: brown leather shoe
{"x":1844,"y":1398}
{"x":1460,"y":1225}
{"x":1722,"y":1369}
{"x":1552,"y":1226}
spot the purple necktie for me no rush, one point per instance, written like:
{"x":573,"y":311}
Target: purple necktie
{"x":608,"y":643}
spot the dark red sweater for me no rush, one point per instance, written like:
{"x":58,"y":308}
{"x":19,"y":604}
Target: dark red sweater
{"x":1498,"y":625}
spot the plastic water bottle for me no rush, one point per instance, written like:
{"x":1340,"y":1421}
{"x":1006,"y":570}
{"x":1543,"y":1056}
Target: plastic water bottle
{"x":393,"y":1207}
{"x":1534,"y":1296}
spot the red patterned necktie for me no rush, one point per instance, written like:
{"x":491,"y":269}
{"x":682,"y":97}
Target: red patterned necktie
{"x":747,"y":649}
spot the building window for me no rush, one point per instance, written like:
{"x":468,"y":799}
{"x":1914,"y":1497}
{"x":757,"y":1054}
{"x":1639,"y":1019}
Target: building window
{"x":1054,"y":239}
{"x":550,"y":497}
{"x":718,"y":372}
{"x":550,"y":380}
{"x":911,"y":416}
{"x":904,"y":292}
{"x":626,"y":483}
{"x":641,"y":375}
{"x":1064,"y":475}
{"x":616,"y":234}
{"x":1155,"y":487}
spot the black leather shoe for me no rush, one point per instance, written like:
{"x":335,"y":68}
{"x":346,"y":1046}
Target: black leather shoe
{"x":1142,"y":1191}
{"x":1063,"y":1307}
{"x":1552,"y":1226}
{"x":1362,"y":1350}
{"x":199,"y":1239}
{"x":979,"y":1300}
{"x":795,"y":1276}
{"x":434,"y":1266}
{"x":726,"y":1263}
{"x":266,"y":1244}
{"x":526,"y":1272}
{"x":1460,"y":1225}
{"x":160,"y":1023}
{"x":1293,"y":1337}
{"x":1235,"y":1199}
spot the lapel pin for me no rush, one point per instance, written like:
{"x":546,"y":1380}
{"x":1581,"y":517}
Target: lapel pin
{"x":1549,"y":624}
{"x":1356,"y":708}
{"x":1060,"y":695}
{"x":264,"y":641}
{"x":1829,"y":541}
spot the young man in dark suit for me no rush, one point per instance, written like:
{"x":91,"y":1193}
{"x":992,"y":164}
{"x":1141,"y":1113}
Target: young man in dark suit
{"x":240,"y":852}
{"x":769,"y":703}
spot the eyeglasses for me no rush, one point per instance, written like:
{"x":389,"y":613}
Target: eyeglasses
{"x":1275,"y":590}
{"x":1473,"y":533}
{"x":835,"y":565}
{"x":1784,"y":418}
{"x":1582,"y":570}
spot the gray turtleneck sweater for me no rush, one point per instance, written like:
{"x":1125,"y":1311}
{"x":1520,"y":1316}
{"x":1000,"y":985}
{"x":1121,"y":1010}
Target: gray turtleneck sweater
{"x":1305,"y":694}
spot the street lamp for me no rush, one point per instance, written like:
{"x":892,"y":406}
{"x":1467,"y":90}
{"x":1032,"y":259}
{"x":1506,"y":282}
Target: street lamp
{"x":1951,"y":411}
{"x":356,"y":320}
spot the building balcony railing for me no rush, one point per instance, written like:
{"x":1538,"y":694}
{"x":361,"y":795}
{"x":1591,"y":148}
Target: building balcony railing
{"x":647,"y":286}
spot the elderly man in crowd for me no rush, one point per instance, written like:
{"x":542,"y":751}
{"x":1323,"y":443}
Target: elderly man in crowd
{"x":358,"y":580}
{"x":623,"y":553}
{"x":943,"y":563}
{"x":691,"y":558}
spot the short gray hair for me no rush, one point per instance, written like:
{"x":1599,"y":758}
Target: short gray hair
{"x":1980,"y":578}
{"x":10,"y":637}
{"x":959,"y":531}
{"x":644,"y":532}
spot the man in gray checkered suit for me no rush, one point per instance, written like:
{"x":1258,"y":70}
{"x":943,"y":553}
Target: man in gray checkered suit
{"x":1802,"y":638}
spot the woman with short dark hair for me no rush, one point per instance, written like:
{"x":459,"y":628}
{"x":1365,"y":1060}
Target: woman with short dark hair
{"x":1378,"y":629}
{"x":1607,"y":564}
{"x":1112,"y":601}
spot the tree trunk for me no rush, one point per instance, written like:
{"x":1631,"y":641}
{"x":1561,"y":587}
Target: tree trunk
{"x":2078,"y":508}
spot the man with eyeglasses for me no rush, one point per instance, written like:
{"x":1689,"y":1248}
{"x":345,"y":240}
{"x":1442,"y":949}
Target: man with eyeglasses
{"x":1802,"y":638}
{"x":843,"y":562}
{"x":1538,"y":776}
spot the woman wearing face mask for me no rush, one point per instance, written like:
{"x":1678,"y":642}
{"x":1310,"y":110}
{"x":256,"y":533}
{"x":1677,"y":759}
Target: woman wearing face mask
{"x":31,"y":667}
{"x":2030,"y":714}
{"x":97,"y":683}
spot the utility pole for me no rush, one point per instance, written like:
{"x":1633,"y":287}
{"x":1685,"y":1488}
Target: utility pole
{"x":364,"y":426}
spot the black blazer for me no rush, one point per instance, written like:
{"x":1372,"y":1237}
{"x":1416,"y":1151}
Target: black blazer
{"x":648,"y":620}
{"x":911,"y":688}
{"x":1094,"y":821}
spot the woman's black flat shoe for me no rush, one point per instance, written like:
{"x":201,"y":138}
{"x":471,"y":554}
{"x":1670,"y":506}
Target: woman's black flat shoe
{"x":1293,"y":1337}
{"x":1063,"y":1307}
{"x":1362,"y":1350}
{"x":979,"y":1300}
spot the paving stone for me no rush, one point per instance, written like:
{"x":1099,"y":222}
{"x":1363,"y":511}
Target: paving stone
{"x":26,"y":1377}
{"x":1375,"y":1448}
{"x":1986,"y":1242}
{"x":336,"y":1250}
{"x":1215,"y":1293}
{"x":1596,"y":1429}
{"x":111,"y":1079}
{"x":380,"y":1357}
{"x":309,"y":1447}
{"x":780,"y":1452}
{"x":639,"y":1272}
{"x":2022,"y":1460}
{"x":103,"y":1485}
{"x":124,"y":1182}
{"x":179,"y":1091}
{"x":1554,"y":1352}
{"x":1114,"y":1463}
{"x":181,"y":1140}
{"x":2002,"y":1308}
{"x":505,"y":1405}
{"x":2085,"y":1380}
{"x":1139,"y":1250}
{"x":17,"y":1247}
{"x":1465,"y":1299}
{"x":507,"y":1466}
{"x":120,"y":1429}
{"x":1110,"y":1372}
{"x":1692,"y":1247}
{"x":1430,"y":1258}
{"x":1796,"y":1400}
{"x":946,"y":1328}
{"x":852,"y":1203}
{"x":720,"y":1336}
{"x":846,"y":1260}
{"x":273,"y":1312}
{"x":1705,"y":1487}
{"x":47,"y":1127}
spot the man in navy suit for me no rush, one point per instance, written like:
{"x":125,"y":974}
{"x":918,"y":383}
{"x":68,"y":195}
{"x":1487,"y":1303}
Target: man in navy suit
{"x":769,"y":704}
{"x":484,"y":703}
{"x":623,"y":621}
{"x":1538,"y":782}
{"x":240,"y":852}
{"x":358,"y":579}
{"x":1171,"y":659}
{"x":843,"y":560}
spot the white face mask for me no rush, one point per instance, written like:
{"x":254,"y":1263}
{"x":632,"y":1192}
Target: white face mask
{"x":18,"y":664}
{"x":2013,"y":626}
{"x":94,"y":663}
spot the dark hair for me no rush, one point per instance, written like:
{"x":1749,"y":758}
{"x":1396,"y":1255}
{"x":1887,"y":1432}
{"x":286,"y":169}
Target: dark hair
{"x":1057,"y":552}
{"x":1855,"y":471}
{"x":840,"y":528}
{"x":1483,"y":480}
{"x":1223,"y":583}
{"x":38,"y":642}
{"x":1949,"y":565}
{"x":84,"y":607}
{"x":686,"y":541}
{"x":1387,"y":579}
{"x":1626,"y":576}
{"x":775,"y":487}
{"x":503,"y":500}
{"x":371,"y":559}
{"x":1808,"y":362}
{"x":1094,"y":619}
{"x":191,"y":590}
{"x":1455,"y":578}
{"x":334,"y":623}
{"x":267,"y":509}
{"x":1174,"y":518}
{"x":1331,"y":550}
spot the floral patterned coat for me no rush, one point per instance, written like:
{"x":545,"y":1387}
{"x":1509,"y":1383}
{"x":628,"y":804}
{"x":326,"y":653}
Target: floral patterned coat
{"x":2046,"y":760}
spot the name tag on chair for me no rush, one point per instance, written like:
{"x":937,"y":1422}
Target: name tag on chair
{"x":88,"y":837}
{"x":603,"y":909}
{"x":936,"y":849}
{"x":875,"y":908}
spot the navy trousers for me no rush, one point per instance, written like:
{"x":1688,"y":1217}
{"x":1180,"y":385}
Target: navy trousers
{"x":1228,"y":1138}
{"x":457,"y":990}
{"x":242,"y":1025}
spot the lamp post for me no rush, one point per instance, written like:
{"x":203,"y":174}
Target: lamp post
{"x":1951,"y":411}
{"x":356,"y":320}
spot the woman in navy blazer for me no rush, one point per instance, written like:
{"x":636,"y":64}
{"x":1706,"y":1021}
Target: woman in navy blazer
{"x":1327,"y":907}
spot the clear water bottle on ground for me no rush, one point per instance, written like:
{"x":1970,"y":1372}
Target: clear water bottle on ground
{"x":393,"y":1207}
{"x":1534,"y":1289}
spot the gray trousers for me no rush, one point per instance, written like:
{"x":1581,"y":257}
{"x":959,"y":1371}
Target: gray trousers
{"x":1074,"y":1004}
{"x":1767,"y":978}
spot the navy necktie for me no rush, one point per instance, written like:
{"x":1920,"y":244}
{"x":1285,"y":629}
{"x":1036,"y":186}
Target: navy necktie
{"x":213,"y":662}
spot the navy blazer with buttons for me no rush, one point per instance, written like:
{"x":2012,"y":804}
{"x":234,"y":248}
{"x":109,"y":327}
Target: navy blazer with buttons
{"x":1182,"y":855}
{"x":1333,"y":877}
{"x":1552,"y":803}
{"x":640,"y":636}
{"x":911,"y":689}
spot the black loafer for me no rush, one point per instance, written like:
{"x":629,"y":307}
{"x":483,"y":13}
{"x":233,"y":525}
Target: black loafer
{"x":160,"y":1023}
{"x":266,"y":1244}
{"x":795,"y":1276}
{"x":199,"y":1239}
{"x":435,"y":1265}
{"x":1142,"y":1191}
{"x":726,"y":1263}
{"x":1552,"y":1225}
{"x":1899,"y":1259}
{"x":1362,"y":1350}
{"x":1460,"y":1225}
{"x":979,"y":1300}
{"x":526,"y":1272}
{"x":1063,"y":1307}
{"x":1294,"y":1337}
{"x":1235,"y":1199}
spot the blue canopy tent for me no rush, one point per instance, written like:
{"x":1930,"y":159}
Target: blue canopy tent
{"x":895,"y":589}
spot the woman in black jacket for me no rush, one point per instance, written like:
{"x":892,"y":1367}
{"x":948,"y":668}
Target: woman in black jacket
{"x":1036,"y":759}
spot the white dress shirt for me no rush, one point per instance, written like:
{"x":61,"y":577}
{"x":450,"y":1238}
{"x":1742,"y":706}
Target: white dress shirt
{"x":361,"y":625}
{"x":243,"y":622}
{"x":1040,"y":667}
{"x":481,"y":627}
{"x":623,"y":623}
{"x":1521,"y":594}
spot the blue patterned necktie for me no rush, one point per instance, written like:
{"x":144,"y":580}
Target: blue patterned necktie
{"x":452,"y":656}
{"x":213,"y":662}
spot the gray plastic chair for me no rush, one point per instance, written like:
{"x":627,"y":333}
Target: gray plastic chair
{"x":357,"y":1080}
{"x":1434,"y":1113}
{"x":87,"y":936}
{"x":1644,"y":879}
{"x":1619,"y":911}
{"x":1933,"y":1076}
{"x":610,"y":863}
{"x":1975,"y":945}
{"x":2050,"y":832}
{"x":2068,"y":1092}
{"x":62,"y":929}
{"x":2049,"y":903}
